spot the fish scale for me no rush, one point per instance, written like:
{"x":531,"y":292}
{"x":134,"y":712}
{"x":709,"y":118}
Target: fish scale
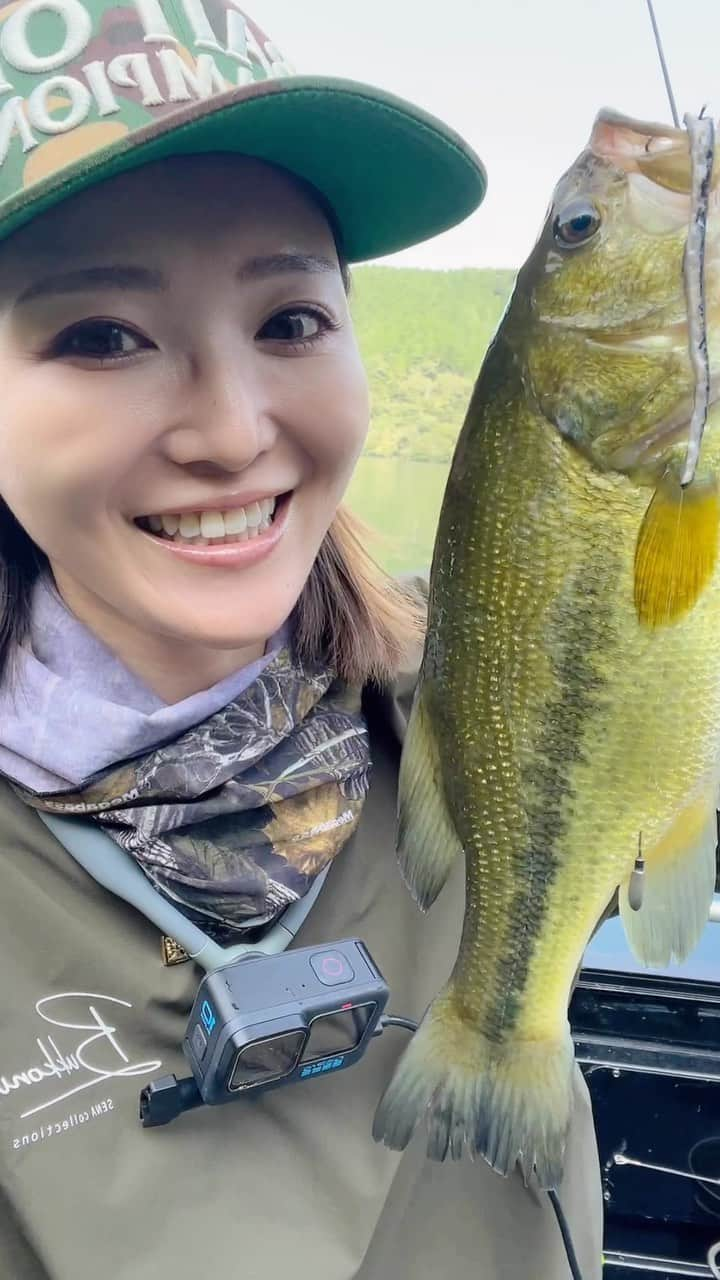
{"x":525,"y":747}
{"x":563,"y":709}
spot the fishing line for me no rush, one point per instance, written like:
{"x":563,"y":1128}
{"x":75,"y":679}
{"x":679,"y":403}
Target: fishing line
{"x":701,"y":136}
{"x":663,"y":65}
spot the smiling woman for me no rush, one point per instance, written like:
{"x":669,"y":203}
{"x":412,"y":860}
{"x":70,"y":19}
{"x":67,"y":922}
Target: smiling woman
{"x":224,"y":371}
{"x":198,"y":657}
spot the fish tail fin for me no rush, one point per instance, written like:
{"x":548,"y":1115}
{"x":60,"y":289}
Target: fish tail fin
{"x":426,"y":838}
{"x":508,"y":1103}
{"x":676,"y":550}
{"x":678,"y":887}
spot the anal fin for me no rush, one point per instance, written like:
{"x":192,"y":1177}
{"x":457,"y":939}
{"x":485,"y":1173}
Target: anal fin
{"x":678,"y":891}
{"x":427,"y":840}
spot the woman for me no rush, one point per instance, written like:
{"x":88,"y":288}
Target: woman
{"x":190,"y":618}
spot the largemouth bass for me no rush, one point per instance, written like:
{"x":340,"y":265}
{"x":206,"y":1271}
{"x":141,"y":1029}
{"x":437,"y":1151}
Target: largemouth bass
{"x":568,"y":709}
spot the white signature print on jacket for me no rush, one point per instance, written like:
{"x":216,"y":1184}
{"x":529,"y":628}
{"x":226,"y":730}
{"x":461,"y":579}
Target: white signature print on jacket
{"x":87,"y":1062}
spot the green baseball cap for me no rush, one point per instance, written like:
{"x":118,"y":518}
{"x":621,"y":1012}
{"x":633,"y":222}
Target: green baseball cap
{"x":90,"y":89}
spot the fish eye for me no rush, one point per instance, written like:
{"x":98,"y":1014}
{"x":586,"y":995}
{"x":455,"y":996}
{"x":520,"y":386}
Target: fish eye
{"x":576,"y":223}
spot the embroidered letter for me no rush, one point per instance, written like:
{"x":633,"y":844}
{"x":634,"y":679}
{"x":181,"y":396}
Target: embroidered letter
{"x":64,"y":86}
{"x":12,"y":118}
{"x":237,"y":35}
{"x":203,"y":81}
{"x":204,"y":36}
{"x":132,"y":71}
{"x":14,"y":35}
{"x":157,"y":29}
{"x":96,"y":76}
{"x":154,"y":22}
{"x":278,"y":65}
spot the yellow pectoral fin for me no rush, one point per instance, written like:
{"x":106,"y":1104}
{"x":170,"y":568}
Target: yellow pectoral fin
{"x":678,"y":891}
{"x":676,"y":549}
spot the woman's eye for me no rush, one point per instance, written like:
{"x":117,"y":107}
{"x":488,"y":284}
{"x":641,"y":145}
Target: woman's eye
{"x":294,"y":326}
{"x":99,"y":340}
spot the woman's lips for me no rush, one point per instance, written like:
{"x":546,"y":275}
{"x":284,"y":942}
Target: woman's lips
{"x":228,"y":554}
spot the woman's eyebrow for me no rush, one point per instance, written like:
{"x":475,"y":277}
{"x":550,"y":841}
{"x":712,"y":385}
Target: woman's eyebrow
{"x":278,"y":263}
{"x":142,"y":278}
{"x":85,"y":278}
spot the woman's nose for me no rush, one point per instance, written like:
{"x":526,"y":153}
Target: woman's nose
{"x":226,"y":420}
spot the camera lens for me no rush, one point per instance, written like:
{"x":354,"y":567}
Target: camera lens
{"x":265,"y":1060}
{"x":338,"y":1032}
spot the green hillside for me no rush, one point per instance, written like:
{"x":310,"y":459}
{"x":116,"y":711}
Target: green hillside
{"x":423,"y":335}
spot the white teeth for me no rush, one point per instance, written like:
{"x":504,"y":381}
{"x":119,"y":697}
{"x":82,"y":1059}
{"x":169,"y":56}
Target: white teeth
{"x":212,"y":525}
{"x":189,"y":525}
{"x":254,"y":515}
{"x":235,"y":521}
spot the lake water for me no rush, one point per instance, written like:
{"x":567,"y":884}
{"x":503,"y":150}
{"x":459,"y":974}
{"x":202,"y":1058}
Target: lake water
{"x":401,"y":500}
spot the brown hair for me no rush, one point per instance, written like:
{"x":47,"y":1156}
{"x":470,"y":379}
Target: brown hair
{"x":362,"y":622}
{"x":350,"y":614}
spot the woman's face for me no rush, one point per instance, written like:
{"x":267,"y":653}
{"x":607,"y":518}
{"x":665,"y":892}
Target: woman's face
{"x":177,"y":341}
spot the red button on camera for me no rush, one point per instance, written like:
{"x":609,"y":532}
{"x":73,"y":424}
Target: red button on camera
{"x":331,"y":968}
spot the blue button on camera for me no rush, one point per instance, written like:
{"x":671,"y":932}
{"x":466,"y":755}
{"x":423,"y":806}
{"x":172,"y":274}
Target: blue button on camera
{"x":331,"y":968}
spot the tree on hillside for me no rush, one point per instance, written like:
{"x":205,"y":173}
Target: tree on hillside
{"x":423,"y":336}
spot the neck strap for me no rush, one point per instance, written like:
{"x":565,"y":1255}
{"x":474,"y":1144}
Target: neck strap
{"x":113,"y":868}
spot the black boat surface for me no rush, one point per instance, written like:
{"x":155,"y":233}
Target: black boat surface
{"x":648,"y":1041}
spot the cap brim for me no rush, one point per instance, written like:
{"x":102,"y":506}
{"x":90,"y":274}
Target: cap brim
{"x":393,"y":175}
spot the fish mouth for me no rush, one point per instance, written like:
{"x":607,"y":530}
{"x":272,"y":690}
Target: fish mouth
{"x":673,"y":337}
{"x":659,"y":330}
{"x":660,"y":336}
{"x":649,"y":449}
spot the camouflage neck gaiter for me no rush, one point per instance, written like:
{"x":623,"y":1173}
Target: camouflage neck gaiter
{"x":235,"y":818}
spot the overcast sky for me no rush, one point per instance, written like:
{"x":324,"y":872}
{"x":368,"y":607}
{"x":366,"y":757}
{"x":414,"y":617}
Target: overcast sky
{"x":522,"y":80}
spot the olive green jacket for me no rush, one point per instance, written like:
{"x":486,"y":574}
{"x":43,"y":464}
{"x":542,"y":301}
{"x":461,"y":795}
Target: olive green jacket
{"x":289,"y":1185}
